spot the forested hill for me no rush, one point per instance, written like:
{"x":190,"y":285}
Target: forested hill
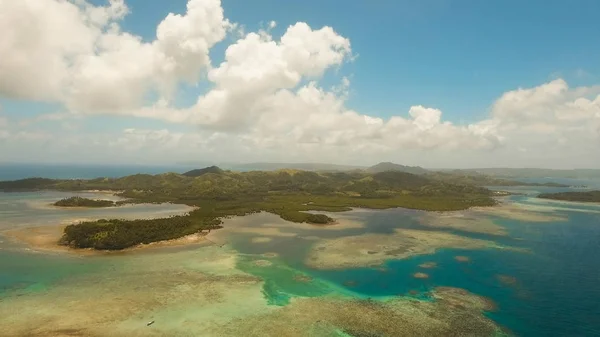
{"x":287,"y":193}
{"x":387,"y":166}
{"x":215,"y":184}
{"x":199,"y":172}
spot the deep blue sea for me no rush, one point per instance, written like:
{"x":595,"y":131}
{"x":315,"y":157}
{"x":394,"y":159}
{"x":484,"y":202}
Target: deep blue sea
{"x":556,"y":291}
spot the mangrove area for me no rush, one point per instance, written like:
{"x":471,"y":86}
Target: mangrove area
{"x":83,"y":202}
{"x":218,"y":194}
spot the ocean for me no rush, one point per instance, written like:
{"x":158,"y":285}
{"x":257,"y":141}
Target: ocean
{"x":548,"y":285}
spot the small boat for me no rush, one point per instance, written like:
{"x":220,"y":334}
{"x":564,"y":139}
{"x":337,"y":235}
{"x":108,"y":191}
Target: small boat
{"x":150,"y":323}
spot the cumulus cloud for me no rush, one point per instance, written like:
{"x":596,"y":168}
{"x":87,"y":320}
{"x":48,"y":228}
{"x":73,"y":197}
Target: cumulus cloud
{"x":552,"y":113}
{"x":259,"y":95}
{"x":75,"y":53}
{"x":265,"y":100}
{"x":258,"y":89}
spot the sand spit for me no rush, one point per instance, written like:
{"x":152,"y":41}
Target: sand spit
{"x":46,"y":238}
{"x":521,"y":212}
{"x":43,"y":238}
{"x":374,"y":249}
{"x":463,"y":221}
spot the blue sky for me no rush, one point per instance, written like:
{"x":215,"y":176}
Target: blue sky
{"x":456,"y":56}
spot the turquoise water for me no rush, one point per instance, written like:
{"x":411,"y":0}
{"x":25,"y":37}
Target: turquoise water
{"x":26,"y":270}
{"x":556,"y":288}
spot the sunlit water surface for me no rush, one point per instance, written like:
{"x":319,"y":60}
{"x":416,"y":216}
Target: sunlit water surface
{"x":555,"y":288}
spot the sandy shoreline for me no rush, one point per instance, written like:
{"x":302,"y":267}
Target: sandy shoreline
{"x":368,"y":250}
{"x":46,"y":238}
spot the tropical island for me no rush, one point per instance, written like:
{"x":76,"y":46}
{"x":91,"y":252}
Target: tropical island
{"x":83,"y":202}
{"x":588,"y":196}
{"x":294,"y":195}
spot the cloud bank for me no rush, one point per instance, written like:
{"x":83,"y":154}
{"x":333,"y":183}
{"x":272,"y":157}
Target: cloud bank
{"x":264,"y":102}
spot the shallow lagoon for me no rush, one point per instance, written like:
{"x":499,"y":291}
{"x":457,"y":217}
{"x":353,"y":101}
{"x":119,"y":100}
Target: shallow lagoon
{"x":255,"y":274}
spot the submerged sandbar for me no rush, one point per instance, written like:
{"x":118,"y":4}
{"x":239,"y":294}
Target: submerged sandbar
{"x":464,"y":221}
{"x":47,"y":238}
{"x":454,"y":312}
{"x":374,"y":249}
{"x":525,"y":213}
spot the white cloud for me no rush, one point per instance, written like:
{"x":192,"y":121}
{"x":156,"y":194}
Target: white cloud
{"x":265,"y":102}
{"x":255,"y":92}
{"x":39,"y":40}
{"x":551,"y":109}
{"x":75,"y":53}
{"x":256,"y":95}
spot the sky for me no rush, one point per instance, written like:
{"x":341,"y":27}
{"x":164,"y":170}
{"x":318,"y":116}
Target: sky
{"x":436,"y":83}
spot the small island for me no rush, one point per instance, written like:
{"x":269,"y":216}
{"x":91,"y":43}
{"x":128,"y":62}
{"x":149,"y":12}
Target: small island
{"x":588,"y":196}
{"x":83,"y":202}
{"x":118,"y":234}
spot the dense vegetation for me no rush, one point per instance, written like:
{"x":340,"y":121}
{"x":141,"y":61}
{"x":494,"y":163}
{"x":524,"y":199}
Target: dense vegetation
{"x":83,"y":202}
{"x":119,"y":234}
{"x":387,"y":166}
{"x":589,"y":196}
{"x":199,"y":172}
{"x":291,"y":194}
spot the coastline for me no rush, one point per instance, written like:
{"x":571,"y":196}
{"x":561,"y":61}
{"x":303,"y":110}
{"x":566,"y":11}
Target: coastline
{"x":46,"y":239}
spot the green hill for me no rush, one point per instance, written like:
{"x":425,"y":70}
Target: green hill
{"x":217,"y":194}
{"x":387,"y":166}
{"x":200,"y":172}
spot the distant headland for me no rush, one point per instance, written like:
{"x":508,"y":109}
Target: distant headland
{"x":588,"y":196}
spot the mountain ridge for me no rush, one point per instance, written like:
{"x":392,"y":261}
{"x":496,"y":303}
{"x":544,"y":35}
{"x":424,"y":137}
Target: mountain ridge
{"x":389,"y":166}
